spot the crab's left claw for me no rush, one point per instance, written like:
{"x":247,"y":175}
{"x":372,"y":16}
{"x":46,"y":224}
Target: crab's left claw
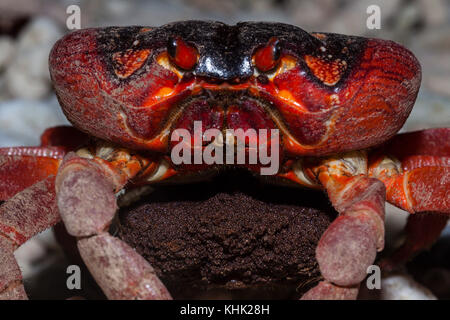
{"x":350,"y":244}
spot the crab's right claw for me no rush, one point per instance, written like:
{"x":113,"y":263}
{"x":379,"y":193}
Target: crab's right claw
{"x":87,"y":204}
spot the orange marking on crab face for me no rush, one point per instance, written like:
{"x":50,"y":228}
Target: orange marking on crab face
{"x":126,"y":62}
{"x":287,"y":96}
{"x":329,"y":72}
{"x":319,"y":36}
{"x":145,"y":29}
{"x":164,"y":60}
{"x":163,"y":93}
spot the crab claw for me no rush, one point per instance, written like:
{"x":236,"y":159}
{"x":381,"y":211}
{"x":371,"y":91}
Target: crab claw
{"x":417,"y":171}
{"x":346,"y":249}
{"x":87,"y":204}
{"x":85,"y":197}
{"x":350,"y":243}
{"x":22,"y":167}
{"x":119,"y":270}
{"x":328,"y":291}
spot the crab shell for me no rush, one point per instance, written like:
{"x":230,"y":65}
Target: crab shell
{"x":328,"y":93}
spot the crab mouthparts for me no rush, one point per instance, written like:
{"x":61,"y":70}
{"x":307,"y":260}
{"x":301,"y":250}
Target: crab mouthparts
{"x":223,"y":111}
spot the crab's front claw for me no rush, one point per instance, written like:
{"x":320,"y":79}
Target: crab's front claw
{"x":350,"y":244}
{"x":325,"y":290}
{"x":21,"y":167}
{"x":119,"y":270}
{"x":346,"y":249}
{"x":87,"y":204}
{"x":85,"y":197}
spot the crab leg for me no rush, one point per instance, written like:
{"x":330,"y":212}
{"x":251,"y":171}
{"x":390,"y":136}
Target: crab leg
{"x":27,"y":182}
{"x":350,"y":243}
{"x":21,"y":167}
{"x":416,"y":172}
{"x":87,"y":204}
{"x":67,"y":138}
{"x":27,"y":213}
{"x":415,"y":167}
{"x":422,"y":231}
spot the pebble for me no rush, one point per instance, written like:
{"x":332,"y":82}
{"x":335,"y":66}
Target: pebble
{"x":27,"y":75}
{"x":7,"y":49}
{"x":403,"y":287}
{"x":23,"y":121}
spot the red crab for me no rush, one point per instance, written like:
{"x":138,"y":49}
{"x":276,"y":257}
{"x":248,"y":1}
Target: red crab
{"x":338,"y":102}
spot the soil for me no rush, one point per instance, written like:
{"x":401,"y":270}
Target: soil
{"x":232,"y":236}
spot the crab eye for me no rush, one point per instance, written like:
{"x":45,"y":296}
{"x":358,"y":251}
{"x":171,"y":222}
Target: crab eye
{"x":182,"y":54}
{"x":266,"y":58}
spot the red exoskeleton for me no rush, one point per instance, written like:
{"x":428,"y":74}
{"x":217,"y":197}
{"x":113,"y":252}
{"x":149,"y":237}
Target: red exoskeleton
{"x":338,"y":102}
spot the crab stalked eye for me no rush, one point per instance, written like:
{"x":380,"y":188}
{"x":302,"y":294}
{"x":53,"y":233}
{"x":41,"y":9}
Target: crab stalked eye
{"x":266,"y":58}
{"x":182,"y":54}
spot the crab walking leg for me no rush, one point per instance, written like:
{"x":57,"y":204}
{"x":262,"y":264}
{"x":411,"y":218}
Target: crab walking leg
{"x":27,"y":213}
{"x":21,"y":167}
{"x":417,"y":180}
{"x":87,"y":204}
{"x":415,"y":167}
{"x":422,"y":231}
{"x":418,"y":184}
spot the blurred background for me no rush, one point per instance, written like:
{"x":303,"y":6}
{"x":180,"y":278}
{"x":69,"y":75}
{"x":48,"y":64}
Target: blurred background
{"x":29,"y":28}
